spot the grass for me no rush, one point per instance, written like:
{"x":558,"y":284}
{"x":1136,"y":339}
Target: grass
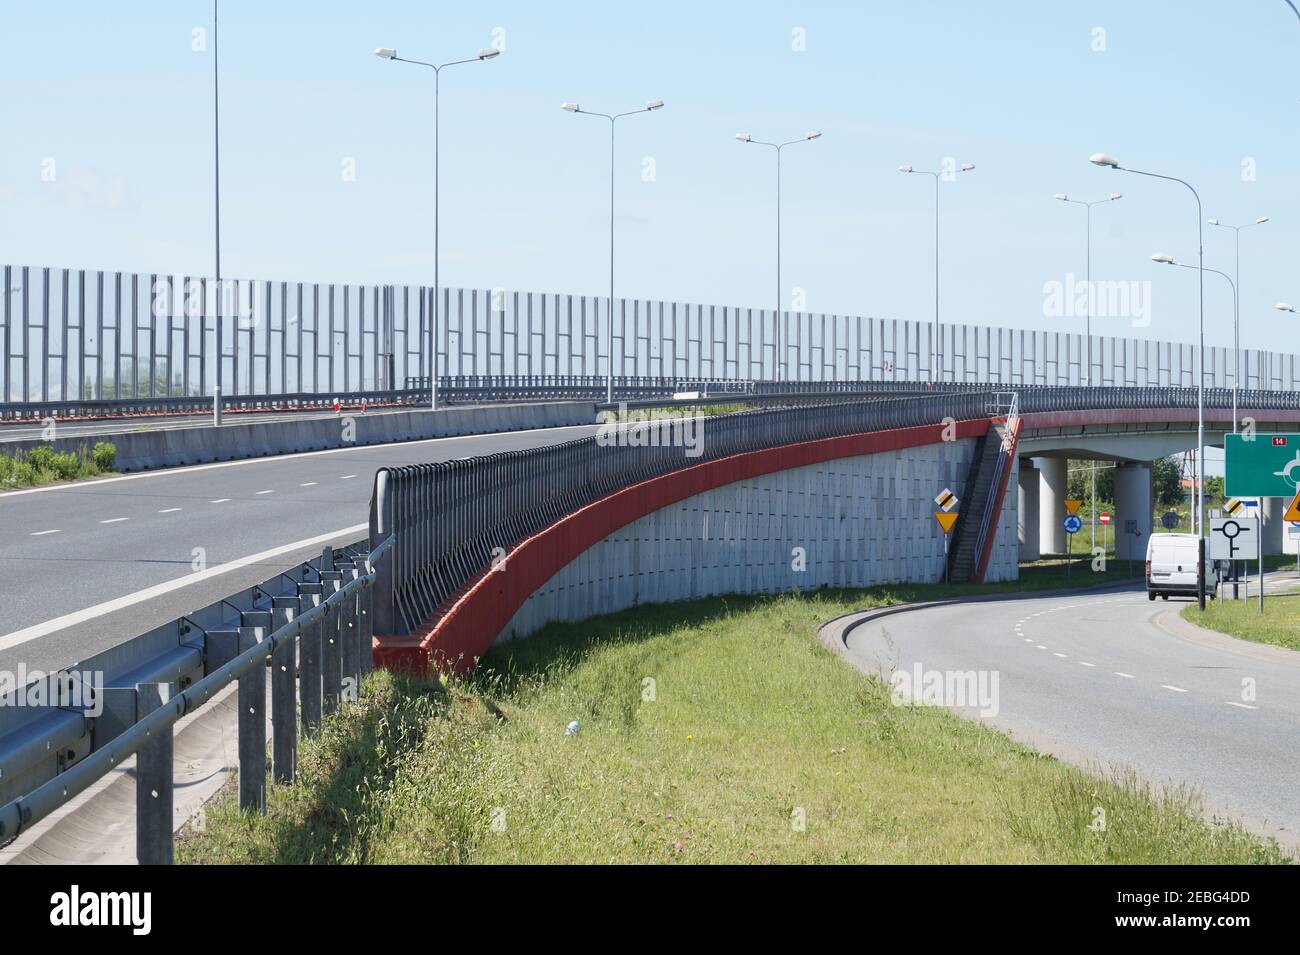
{"x":710,"y":731}
{"x":1278,"y":625}
{"x":43,"y":465}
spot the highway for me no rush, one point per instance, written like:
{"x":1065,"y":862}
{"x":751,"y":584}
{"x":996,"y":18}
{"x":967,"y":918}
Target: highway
{"x":1109,"y":679}
{"x":87,"y":565}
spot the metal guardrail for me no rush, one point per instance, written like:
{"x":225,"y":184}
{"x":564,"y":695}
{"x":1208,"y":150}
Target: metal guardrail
{"x":316,"y":634}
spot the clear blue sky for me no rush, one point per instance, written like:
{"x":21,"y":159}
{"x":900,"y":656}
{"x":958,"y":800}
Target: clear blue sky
{"x":122,"y":105}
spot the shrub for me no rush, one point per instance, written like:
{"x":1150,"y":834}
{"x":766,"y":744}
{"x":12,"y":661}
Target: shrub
{"x":41,"y":457}
{"x":104,"y":455}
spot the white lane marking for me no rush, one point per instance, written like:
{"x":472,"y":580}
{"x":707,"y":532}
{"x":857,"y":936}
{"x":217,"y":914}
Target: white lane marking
{"x":157,"y":590}
{"x":1041,"y":647}
{"x":1085,"y":663}
{"x":1176,"y":689}
{"x":347,"y":477}
{"x":169,"y":510}
{"x":308,"y":484}
{"x":220,"y":500}
{"x":272,"y":491}
{"x":43,"y":533}
{"x":115,"y":520}
{"x":1127,"y":676}
{"x":1061,"y":655}
{"x":171,"y":472}
{"x":1029,"y":639}
{"x":1244,"y":706}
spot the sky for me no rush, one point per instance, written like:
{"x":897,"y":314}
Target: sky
{"x":327,"y":171}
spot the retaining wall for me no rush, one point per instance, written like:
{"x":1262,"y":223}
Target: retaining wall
{"x":142,"y":450}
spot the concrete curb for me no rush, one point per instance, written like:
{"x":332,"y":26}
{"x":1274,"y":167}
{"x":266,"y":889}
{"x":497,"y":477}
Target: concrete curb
{"x":177,"y":447}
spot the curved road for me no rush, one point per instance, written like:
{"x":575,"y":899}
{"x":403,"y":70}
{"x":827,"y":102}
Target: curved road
{"x":1114,"y":680}
{"x":88,"y":565}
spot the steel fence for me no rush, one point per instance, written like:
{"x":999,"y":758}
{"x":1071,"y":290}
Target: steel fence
{"x":76,"y":334}
{"x":313,"y":625}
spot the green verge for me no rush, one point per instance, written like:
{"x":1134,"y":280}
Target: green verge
{"x":1278,"y":625}
{"x":43,"y":465}
{"x":748,"y":727}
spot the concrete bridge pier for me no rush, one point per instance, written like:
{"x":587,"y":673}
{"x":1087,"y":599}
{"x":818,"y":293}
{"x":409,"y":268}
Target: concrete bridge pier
{"x":1053,"y":489}
{"x":1133,"y":502}
{"x":1272,"y":527}
{"x":1027,"y":510}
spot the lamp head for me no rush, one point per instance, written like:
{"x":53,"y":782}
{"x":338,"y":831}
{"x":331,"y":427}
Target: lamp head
{"x":904,"y":168}
{"x":655,"y":104}
{"x":967,"y":166}
{"x":812,"y":134}
{"x":1116,"y":195}
{"x":744,"y":137}
{"x":488,"y":53}
{"x":386,"y":53}
{"x":1101,"y":159}
{"x":1261,"y":220}
{"x":1212,"y":221}
{"x":1163,"y":257}
{"x":1284,"y":307}
{"x":571,"y":107}
{"x":1062,"y":196}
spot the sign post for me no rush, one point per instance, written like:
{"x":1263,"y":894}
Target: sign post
{"x":1073,"y":524}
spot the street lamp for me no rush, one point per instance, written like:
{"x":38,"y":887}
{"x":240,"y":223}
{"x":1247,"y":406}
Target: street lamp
{"x":1236,"y":337}
{"x":1087,"y":374}
{"x":1102,"y":159}
{"x":649,"y":107}
{"x":934,"y":339}
{"x":216,"y":216}
{"x":778,"y":355}
{"x":388,"y":53}
{"x":1284,"y":307}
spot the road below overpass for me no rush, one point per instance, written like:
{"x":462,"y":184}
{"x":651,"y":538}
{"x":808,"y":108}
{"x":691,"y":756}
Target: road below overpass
{"x":87,"y":565}
{"x":1112,"y":680}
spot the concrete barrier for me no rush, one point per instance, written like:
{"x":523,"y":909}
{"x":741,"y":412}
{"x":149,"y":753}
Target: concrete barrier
{"x":176,"y":447}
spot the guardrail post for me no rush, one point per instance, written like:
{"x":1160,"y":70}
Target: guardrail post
{"x":252,"y":729}
{"x":381,"y":527}
{"x":153,"y":783}
{"x":366,"y":625}
{"x":331,"y":650}
{"x":309,"y":661}
{"x":348,"y":634}
{"x":284,"y":681}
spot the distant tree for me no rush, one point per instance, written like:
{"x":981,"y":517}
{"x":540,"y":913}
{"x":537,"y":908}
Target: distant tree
{"x":1167,"y":481}
{"x":1214,"y":494}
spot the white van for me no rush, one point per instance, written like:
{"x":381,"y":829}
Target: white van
{"x":1171,"y":566}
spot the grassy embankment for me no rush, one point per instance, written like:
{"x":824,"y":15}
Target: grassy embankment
{"x":43,"y":465}
{"x":709,"y":731}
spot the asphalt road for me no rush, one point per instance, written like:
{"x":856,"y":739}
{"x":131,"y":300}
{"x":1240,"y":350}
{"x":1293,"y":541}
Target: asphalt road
{"x":1111,"y":680}
{"x":85,"y":566}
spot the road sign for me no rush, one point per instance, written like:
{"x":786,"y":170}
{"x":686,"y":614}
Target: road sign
{"x":1233,"y":506}
{"x":1170,"y":520}
{"x":1072,"y":505}
{"x":1293,"y":511}
{"x":946,"y":499}
{"x":1267,"y":466}
{"x":946,"y":519}
{"x":1073,"y":523}
{"x":1293,"y":530}
{"x":1234,"y":538}
{"x":1104,"y":517}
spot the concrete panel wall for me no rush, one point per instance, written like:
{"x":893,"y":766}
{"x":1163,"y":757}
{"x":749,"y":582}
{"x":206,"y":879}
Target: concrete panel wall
{"x":1027,"y":497}
{"x":1133,"y":501}
{"x":853,"y":522}
{"x":142,"y":450}
{"x":1053,"y":489}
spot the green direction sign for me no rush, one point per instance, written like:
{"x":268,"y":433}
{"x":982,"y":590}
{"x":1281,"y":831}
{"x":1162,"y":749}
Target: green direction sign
{"x":1267,"y":465}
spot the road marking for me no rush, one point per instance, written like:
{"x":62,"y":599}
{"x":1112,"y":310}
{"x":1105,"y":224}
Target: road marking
{"x":115,"y":520}
{"x":1061,"y":655}
{"x":169,"y":510}
{"x":1176,"y":689}
{"x":268,"y":459}
{"x":347,"y":477}
{"x":1244,"y":706}
{"x":1041,"y":647}
{"x":272,"y":491}
{"x":220,"y":500}
{"x":1085,"y":663}
{"x":43,"y":533}
{"x":308,"y":484}
{"x":1029,"y":639}
{"x":1127,"y":676}
{"x":157,"y":590}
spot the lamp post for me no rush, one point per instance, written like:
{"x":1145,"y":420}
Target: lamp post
{"x":934,"y":339}
{"x":1101,"y":159}
{"x":1087,"y":373}
{"x":613,"y":118}
{"x":1236,"y":315}
{"x":778,"y":355}
{"x":216,"y":221}
{"x":388,"y":53}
